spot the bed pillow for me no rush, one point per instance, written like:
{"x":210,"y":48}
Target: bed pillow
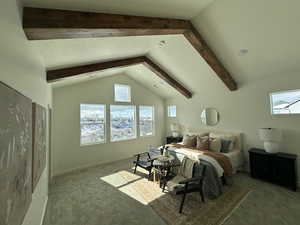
{"x":225,"y":137}
{"x":215,"y":144}
{"x":189,"y":140}
{"x":203,"y":143}
{"x":225,"y":145}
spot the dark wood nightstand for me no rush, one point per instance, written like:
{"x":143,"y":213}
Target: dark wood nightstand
{"x":173,"y":140}
{"x":278,"y":168}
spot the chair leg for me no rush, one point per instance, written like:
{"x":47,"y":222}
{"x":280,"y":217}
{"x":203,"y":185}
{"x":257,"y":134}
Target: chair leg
{"x":149,"y":175}
{"x":183,"y":197}
{"x":164,"y":186}
{"x":182,"y":202}
{"x":201,"y":192}
{"x":135,"y":168}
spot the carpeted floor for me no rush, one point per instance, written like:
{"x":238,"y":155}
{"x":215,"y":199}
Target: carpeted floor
{"x":166,"y":205}
{"x":97,"y":196}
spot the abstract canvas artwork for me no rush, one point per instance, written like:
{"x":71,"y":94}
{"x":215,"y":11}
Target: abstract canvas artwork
{"x":39,"y":142}
{"x":15,"y":155}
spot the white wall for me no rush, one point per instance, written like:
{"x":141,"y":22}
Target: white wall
{"x":67,"y":154}
{"x":267,"y":30}
{"x":22,"y":69}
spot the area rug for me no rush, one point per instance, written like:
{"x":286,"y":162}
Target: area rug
{"x":166,"y":205}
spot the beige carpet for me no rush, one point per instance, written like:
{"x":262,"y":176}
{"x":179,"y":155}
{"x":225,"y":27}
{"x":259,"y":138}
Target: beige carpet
{"x":166,"y":205}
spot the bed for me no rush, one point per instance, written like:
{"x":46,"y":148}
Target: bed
{"x":235,"y":156}
{"x":218,"y":171}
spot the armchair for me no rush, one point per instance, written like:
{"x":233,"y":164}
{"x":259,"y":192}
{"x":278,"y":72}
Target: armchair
{"x":145,"y":160}
{"x":182,"y":184}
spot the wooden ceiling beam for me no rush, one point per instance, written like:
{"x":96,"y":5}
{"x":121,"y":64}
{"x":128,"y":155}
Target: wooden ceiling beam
{"x":60,"y":74}
{"x":45,"y":24}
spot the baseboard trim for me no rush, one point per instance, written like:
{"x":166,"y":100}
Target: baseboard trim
{"x":44,"y":210}
{"x":84,"y":167}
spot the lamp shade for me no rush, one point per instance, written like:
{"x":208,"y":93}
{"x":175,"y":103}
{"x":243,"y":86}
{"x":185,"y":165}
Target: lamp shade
{"x":270,"y":134}
{"x":174,"y":127}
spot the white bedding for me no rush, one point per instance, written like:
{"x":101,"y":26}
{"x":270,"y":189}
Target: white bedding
{"x":235,"y":157}
{"x":196,"y":155}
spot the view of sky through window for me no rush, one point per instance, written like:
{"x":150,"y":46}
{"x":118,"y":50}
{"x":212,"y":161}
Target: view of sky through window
{"x":286,"y":102}
{"x":122,"y":122}
{"x":172,"y":111}
{"x":146,"y":116}
{"x":92,"y":124}
{"x":122,"y":93}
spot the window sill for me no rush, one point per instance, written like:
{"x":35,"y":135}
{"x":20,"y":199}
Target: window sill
{"x":91,"y":144}
{"x":129,"y":139}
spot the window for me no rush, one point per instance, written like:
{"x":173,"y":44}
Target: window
{"x":92,"y":124}
{"x":172,"y":111}
{"x":122,"y":122}
{"x":146,"y":116}
{"x":285,"y":102}
{"x":122,"y":93}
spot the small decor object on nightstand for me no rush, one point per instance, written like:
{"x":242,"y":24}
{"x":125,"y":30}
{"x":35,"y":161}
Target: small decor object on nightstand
{"x":271,"y":138}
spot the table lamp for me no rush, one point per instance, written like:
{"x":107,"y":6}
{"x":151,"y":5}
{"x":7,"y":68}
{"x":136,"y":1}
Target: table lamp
{"x":271,"y":138}
{"x":174,"y":129}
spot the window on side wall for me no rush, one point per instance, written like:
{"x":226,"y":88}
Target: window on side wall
{"x":285,"y":102}
{"x":92,"y":124}
{"x":146,"y":120}
{"x":122,"y":93}
{"x":122,"y":122}
{"x":172,"y":112}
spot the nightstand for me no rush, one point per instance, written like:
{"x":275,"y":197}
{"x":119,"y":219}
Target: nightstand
{"x":173,"y":140}
{"x":278,"y":168}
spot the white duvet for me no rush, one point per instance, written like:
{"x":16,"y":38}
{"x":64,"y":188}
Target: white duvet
{"x":235,"y":158}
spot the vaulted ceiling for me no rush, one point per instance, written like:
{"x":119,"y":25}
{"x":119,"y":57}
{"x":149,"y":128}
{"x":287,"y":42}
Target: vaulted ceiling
{"x":186,"y":9}
{"x":265,"y":30}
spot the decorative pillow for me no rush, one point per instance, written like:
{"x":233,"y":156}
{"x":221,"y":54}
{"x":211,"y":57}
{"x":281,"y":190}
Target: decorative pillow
{"x":225,"y":144}
{"x":224,"y":137}
{"x":215,"y":144}
{"x":189,"y":140}
{"x":203,"y":143}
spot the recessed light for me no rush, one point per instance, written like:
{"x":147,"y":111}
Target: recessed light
{"x":154,"y":85}
{"x":162,"y":43}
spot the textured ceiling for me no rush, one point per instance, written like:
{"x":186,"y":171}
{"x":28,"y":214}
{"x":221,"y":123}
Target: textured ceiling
{"x":185,"y":9}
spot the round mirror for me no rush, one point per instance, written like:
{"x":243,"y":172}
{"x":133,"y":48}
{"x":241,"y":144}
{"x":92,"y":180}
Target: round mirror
{"x":210,"y":116}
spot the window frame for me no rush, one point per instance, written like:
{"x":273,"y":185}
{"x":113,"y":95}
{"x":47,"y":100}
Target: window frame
{"x":110,"y":124}
{"x":271,"y":102}
{"x":104,"y":125}
{"x":129,"y":92}
{"x":153,"y":121}
{"x":169,"y":114}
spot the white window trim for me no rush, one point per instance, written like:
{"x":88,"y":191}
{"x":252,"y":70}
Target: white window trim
{"x":104,"y":125}
{"x":129,"y":92}
{"x":271,"y":102}
{"x":135,"y":125}
{"x":153,"y":121}
{"x":169,"y":114}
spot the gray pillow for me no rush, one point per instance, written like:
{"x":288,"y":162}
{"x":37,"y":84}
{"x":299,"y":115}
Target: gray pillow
{"x":225,"y":144}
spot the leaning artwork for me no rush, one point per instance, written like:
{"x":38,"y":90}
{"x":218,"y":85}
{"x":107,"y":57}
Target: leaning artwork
{"x":39,"y":142}
{"x":15,"y":155}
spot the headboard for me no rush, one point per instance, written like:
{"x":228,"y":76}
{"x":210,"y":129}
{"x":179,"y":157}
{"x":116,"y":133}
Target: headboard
{"x":238,"y":143}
